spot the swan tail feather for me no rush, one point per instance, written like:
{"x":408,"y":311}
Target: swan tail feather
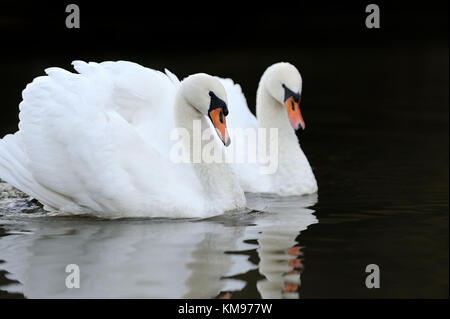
{"x":14,"y":171}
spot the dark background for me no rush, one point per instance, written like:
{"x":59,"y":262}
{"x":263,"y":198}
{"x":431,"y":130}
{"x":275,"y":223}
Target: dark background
{"x":339,"y":58}
{"x":375,"y":102}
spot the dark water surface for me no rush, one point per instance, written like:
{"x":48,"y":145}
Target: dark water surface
{"x":377,"y":139}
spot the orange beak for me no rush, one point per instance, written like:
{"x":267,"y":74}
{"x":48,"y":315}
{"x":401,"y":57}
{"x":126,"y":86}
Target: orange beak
{"x":219,"y":121}
{"x":295,"y":116}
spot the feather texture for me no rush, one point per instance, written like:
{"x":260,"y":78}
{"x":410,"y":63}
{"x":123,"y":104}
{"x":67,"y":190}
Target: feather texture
{"x":97,"y":142}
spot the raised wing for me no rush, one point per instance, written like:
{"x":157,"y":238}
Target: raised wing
{"x":240,"y":115}
{"x":96,"y":123}
{"x":142,"y":96}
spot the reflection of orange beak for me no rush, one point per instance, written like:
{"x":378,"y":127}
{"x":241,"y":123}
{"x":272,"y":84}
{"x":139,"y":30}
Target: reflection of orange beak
{"x":220,"y":123}
{"x":295,"y":116}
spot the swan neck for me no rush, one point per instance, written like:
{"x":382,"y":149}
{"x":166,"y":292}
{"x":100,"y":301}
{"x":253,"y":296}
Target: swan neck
{"x":218,"y":179}
{"x":272,"y":114}
{"x":293,"y":166}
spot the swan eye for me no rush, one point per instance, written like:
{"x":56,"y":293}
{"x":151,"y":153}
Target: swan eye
{"x":289,"y":93}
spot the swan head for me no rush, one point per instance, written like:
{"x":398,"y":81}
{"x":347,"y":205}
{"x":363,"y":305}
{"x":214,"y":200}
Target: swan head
{"x":206,"y":94}
{"x":284,"y":83}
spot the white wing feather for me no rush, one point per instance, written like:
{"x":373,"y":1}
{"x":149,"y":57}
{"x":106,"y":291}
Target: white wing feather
{"x":240,"y":115}
{"x":110,"y":121}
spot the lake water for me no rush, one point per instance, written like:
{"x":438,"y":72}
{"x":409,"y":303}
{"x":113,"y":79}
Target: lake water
{"x":378,"y":145}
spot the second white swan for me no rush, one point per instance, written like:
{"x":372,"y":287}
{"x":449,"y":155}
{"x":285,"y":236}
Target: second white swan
{"x":277,"y":107}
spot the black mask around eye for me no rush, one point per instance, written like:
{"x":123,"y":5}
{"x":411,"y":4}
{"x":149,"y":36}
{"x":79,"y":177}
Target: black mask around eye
{"x":217,"y":103}
{"x":217,"y":114}
{"x":288,"y":93}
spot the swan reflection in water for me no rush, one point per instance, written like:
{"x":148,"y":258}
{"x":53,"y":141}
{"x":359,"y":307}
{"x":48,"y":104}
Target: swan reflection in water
{"x":161,"y":258}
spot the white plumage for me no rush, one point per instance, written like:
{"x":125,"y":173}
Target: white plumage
{"x":293,"y":174}
{"x":98,"y":142}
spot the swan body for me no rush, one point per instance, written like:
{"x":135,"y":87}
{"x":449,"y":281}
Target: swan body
{"x":98,"y":142}
{"x":293,"y":175}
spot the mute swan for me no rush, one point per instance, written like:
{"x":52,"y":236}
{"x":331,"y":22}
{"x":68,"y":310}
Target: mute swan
{"x":97,"y":143}
{"x":277,"y":106}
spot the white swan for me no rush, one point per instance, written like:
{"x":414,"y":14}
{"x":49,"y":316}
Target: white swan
{"x":98,"y":143}
{"x":277,"y":106}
